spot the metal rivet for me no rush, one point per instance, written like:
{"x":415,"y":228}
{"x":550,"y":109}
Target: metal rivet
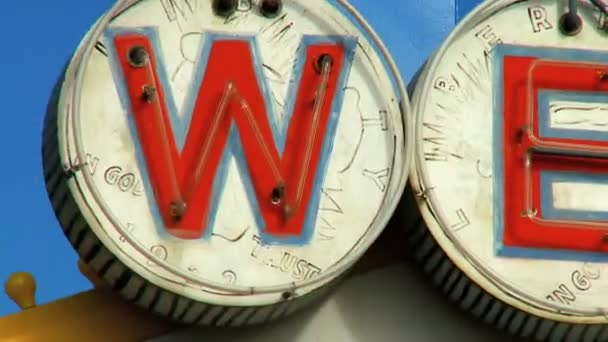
{"x":137,"y":56}
{"x":277,"y":194}
{"x":322,"y":60}
{"x":288,"y":211}
{"x":224,"y":8}
{"x":149,"y":93}
{"x":177,"y":210}
{"x":521,"y":132}
{"x":271,"y":8}
{"x":570,"y":24}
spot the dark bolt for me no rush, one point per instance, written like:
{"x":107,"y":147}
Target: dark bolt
{"x":288,"y":211}
{"x":570,"y":24}
{"x":519,"y":136}
{"x":149,"y":93}
{"x":277,"y":193}
{"x":286,"y":295}
{"x":137,"y":56}
{"x":224,"y":8}
{"x":177,"y":210}
{"x":603,"y":75}
{"x":323,"y":60}
{"x":270,"y":8}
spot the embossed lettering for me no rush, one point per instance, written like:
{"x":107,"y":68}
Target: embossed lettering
{"x":284,"y":261}
{"x":538,"y":19}
{"x":124,"y":181}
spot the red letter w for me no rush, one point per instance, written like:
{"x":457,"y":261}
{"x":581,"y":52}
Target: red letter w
{"x":231,"y":115}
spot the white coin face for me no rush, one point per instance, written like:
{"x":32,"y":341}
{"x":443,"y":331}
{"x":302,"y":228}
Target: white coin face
{"x":511,"y":161}
{"x":234,"y":155}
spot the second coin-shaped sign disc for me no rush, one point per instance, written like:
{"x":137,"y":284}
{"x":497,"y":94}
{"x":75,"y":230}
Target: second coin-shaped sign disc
{"x":512,"y":169}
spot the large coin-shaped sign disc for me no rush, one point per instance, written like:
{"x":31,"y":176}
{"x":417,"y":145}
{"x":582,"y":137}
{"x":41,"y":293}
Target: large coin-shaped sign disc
{"x":225,"y":162}
{"x":512,"y":169}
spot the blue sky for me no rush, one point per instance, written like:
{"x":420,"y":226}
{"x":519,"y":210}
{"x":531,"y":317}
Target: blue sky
{"x":37,"y":39}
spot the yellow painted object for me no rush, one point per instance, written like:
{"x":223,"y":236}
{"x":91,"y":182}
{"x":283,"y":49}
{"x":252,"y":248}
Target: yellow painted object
{"x":96,"y":315}
{"x":21,"y":288}
{"x":100,"y":315}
